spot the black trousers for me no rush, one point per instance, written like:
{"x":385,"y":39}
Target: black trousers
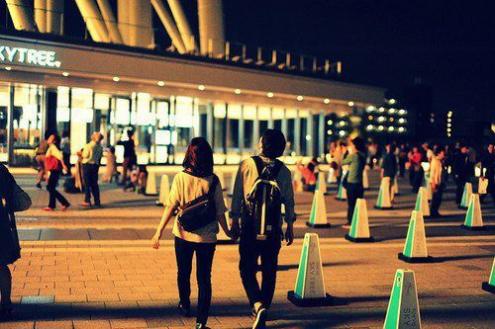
{"x":184,"y":251}
{"x":436,"y":199}
{"x":266,"y":251}
{"x":418,"y":179}
{"x":354,"y":192}
{"x":459,"y":190}
{"x":490,"y":190}
{"x":90,"y":178}
{"x":52,"y":189}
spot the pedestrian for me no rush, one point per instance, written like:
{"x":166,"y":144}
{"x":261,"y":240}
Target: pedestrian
{"x":403,"y":150}
{"x":353,"y":181}
{"x":389,"y":165}
{"x":416,"y":171}
{"x":437,"y":180}
{"x":262,"y":182}
{"x":463,"y":171}
{"x":65,"y":148}
{"x":91,"y":159}
{"x":40,"y":159}
{"x":130,"y":157}
{"x":54,"y":164}
{"x":110,"y":166}
{"x":195,"y":228}
{"x":488,"y":170}
{"x":10,"y":250}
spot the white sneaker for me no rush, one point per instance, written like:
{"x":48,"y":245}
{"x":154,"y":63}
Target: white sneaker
{"x":259,"y":322}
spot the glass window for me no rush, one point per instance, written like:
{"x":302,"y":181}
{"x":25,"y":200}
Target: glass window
{"x":4,"y":107}
{"x":219,"y":115}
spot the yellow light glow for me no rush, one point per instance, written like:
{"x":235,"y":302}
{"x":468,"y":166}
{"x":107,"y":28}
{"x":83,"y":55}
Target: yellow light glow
{"x":351,"y":104}
{"x":116,"y":79}
{"x":201,"y":87}
{"x":65,"y":74}
{"x":160,"y":83}
{"x":269,"y":94}
{"x":8,"y":68}
{"x":237,"y":91}
{"x":326,"y":101}
{"x":300,"y":98}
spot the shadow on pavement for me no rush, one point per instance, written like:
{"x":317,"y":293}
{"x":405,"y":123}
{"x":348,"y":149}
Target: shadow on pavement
{"x":288,"y":267}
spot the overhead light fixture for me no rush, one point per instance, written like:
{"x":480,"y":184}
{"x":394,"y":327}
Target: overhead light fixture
{"x":391,"y":101}
{"x":65,"y":74}
{"x":351,"y":104}
{"x":330,"y":122}
{"x":8,"y":68}
{"x":116,"y":79}
{"x":201,"y":87}
{"x":300,"y":98}
{"x":237,"y":91}
{"x":269,"y":94}
{"x":161,"y":83}
{"x":326,"y":101}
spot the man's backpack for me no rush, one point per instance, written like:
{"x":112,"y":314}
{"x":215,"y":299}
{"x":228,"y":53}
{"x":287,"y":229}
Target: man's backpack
{"x":262,"y":215}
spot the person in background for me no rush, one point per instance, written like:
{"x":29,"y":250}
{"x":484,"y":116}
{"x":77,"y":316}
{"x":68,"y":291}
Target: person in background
{"x":111,"y":165}
{"x":272,"y":145}
{"x":40,"y":159}
{"x":427,"y":151}
{"x":403,"y":150}
{"x":463,"y":171}
{"x":488,"y":170}
{"x":138,"y":176}
{"x":130,"y":157}
{"x":65,"y":148}
{"x":415,"y":169}
{"x":356,"y":160}
{"x":437,"y":180}
{"x":54,"y":163}
{"x":389,"y":165}
{"x":91,"y":159}
{"x":10,"y":250}
{"x":195,"y":181}
{"x":78,"y":173}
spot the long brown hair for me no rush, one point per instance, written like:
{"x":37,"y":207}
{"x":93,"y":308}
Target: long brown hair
{"x":199,"y":157}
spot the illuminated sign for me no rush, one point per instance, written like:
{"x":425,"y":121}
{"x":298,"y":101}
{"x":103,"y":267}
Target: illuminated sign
{"x":18,"y":55}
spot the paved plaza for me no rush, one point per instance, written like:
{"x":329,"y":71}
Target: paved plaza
{"x":96,"y":268}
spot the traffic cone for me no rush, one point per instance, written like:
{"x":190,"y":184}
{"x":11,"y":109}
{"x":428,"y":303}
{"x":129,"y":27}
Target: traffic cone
{"x":422,"y":202}
{"x":360,"y":230}
{"x":466,"y":195}
{"x":331,"y":179}
{"x":297,"y":181}
{"x":490,"y":285}
{"x":222,"y":237}
{"x":366,"y":181}
{"x":384,"y":201}
{"x":164,"y":191}
{"x":309,"y":289}
{"x":318,"y":215}
{"x":415,"y":250}
{"x":473,"y":220}
{"x":341,"y":192}
{"x":321,"y":184}
{"x":395,"y":188}
{"x":150,"y":188}
{"x":403,"y":306}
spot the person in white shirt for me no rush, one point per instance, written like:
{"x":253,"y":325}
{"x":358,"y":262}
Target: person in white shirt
{"x":437,"y":181}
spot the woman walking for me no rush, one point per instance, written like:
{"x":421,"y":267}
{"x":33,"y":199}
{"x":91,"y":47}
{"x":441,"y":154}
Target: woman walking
{"x":9,"y":241}
{"x":196,"y":196}
{"x":54,"y":164}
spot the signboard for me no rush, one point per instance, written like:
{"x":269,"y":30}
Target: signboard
{"x":30,"y":56}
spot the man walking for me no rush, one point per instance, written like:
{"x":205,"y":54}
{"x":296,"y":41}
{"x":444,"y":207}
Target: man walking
{"x":262,"y":239}
{"x":488,"y":170}
{"x":463,"y":171}
{"x":437,"y":181}
{"x":91,"y":158}
{"x":389,"y":166}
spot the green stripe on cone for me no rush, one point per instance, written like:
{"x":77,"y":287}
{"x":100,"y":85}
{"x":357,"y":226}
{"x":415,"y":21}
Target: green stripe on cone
{"x":490,"y":285}
{"x":359,"y":230}
{"x":422,"y":202}
{"x":415,"y":250}
{"x":384,"y":200}
{"x":301,"y":273}
{"x":318,"y":215}
{"x":341,"y":192}
{"x":466,"y":195}
{"x":403,"y":307}
{"x":474,"y":220}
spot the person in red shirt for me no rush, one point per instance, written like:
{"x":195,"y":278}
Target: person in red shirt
{"x":415,"y":170}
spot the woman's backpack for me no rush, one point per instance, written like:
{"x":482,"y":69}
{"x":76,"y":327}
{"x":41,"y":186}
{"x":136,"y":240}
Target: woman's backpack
{"x":199,"y":212}
{"x":263,"y":209}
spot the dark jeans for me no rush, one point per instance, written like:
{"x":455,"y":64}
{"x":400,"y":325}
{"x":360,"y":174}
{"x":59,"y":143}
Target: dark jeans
{"x":90,"y":178}
{"x":417,"y":179}
{"x":459,"y":190}
{"x":184,"y":251}
{"x":490,"y":190}
{"x":52,"y":188}
{"x":436,"y":200}
{"x":250,"y":251}
{"x":354,"y":192}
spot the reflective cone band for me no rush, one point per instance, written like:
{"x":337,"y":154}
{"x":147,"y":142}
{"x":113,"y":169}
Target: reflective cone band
{"x":309,"y":289}
{"x":403,"y":306}
{"x":360,"y":230}
{"x":490,"y":285}
{"x":318,"y":215}
{"x":466,"y":195}
{"x":164,"y":191}
{"x":341,"y":192}
{"x":321,"y":184}
{"x":366,"y":181}
{"x":151,"y":184}
{"x":473,"y":220}
{"x":422,"y":202}
{"x":331,"y":176}
{"x":384,"y":201}
{"x":415,"y":250}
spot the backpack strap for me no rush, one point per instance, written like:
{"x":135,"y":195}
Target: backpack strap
{"x":213,"y":187}
{"x":276,"y":168}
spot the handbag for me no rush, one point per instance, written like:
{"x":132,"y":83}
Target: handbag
{"x":482,"y":185}
{"x":52,"y":163}
{"x":199,"y":212}
{"x":20,"y":200}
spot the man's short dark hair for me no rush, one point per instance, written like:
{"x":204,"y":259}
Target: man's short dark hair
{"x":272,"y":143}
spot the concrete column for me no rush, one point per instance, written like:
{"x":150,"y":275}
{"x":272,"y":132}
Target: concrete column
{"x":256,"y":130}
{"x":110,"y":21}
{"x":211,"y":27}
{"x":93,"y":19}
{"x":170,"y":27}
{"x":22,"y":15}
{"x":140,"y":25}
{"x":54,"y":16}
{"x":240,"y":134}
{"x":321,"y":133}
{"x":297,"y":134}
{"x":40,"y":15}
{"x":123,"y":19}
{"x":285,"y":124}
{"x":209,"y":124}
{"x":182,"y":25}
{"x":10,"y":126}
{"x":309,"y":129}
{"x":270,"y":120}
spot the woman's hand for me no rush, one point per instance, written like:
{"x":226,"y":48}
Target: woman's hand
{"x":155,"y":241}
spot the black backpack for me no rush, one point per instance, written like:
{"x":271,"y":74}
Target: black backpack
{"x":262,"y":210}
{"x":199,"y":212}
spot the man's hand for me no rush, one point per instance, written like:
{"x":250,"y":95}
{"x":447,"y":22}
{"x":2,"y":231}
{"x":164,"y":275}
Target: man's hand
{"x":155,"y":241}
{"x":289,"y":234}
{"x":235,"y":230}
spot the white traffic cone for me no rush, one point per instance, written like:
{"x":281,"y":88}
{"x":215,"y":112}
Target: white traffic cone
{"x":490,"y":284}
{"x":395,"y":188}
{"x":422,"y":202}
{"x":466,"y":195}
{"x":309,"y":289}
{"x":321,"y":183}
{"x":341,"y":192}
{"x":297,"y":181}
{"x":384,"y":201}
{"x":151,"y":183}
{"x":164,"y":191}
{"x":474,"y":220}
{"x":366,"y":181}
{"x":403,"y":306}
{"x":360,"y":229}
{"x":332,"y":179}
{"x":415,"y":250}
{"x":318,"y":215}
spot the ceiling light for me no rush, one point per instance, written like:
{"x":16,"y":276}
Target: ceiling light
{"x":8,"y":68}
{"x":65,"y":74}
{"x":116,"y":79}
{"x":201,"y":87}
{"x":161,"y":83}
{"x":269,"y":94}
{"x":326,"y":101}
{"x":237,"y":91}
{"x":351,"y":104}
{"x":300,"y":98}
